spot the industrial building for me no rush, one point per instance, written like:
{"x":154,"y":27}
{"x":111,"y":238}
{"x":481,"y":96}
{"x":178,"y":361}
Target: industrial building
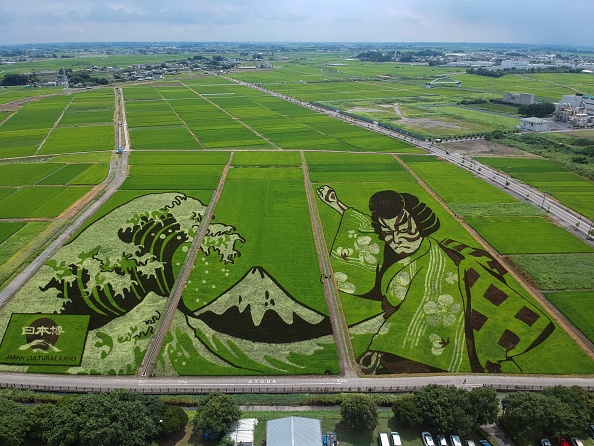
{"x":519,"y":98}
{"x":576,"y":109}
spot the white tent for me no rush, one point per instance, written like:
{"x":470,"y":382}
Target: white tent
{"x":294,"y":431}
{"x":242,"y":432}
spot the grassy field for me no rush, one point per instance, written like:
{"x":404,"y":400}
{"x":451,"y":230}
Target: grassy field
{"x":576,"y":306}
{"x":527,"y":235}
{"x":568,"y":271}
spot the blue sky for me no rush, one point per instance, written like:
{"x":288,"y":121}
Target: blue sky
{"x":507,"y":21}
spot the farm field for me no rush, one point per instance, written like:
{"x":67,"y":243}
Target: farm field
{"x":355,"y":254}
{"x":262,"y":272}
{"x":258,"y":264}
{"x":42,"y":189}
{"x":565,"y":271}
{"x":140,"y":236}
{"x":566,"y":187}
{"x":232,"y":116}
{"x":576,"y":306}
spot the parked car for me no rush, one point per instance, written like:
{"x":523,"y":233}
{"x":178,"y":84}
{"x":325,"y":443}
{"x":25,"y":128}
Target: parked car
{"x":441,"y":440}
{"x":576,"y":442}
{"x":562,"y":442}
{"x":484,"y":443}
{"x":545,"y":442}
{"x":427,"y":439}
{"x":383,"y":440}
{"x":591,"y":430}
{"x":395,"y":439}
{"x":455,"y":440}
{"x":469,"y":443}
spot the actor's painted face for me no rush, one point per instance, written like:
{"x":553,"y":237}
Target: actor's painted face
{"x":401,"y":233}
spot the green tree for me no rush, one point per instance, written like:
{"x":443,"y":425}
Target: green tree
{"x":36,"y":415}
{"x":406,"y":410}
{"x":539,"y":110}
{"x":359,"y":412}
{"x":216,"y":414}
{"x":523,"y":413}
{"x":446,"y":409}
{"x":13,"y":423}
{"x":120,"y":417}
{"x":174,"y":420}
{"x":484,"y":405}
{"x":13,"y":79}
{"x":226,"y":441}
{"x":577,"y":405}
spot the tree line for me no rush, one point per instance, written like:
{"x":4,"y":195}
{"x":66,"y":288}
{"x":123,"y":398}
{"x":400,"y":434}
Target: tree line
{"x":127,"y":418}
{"x":556,"y":411}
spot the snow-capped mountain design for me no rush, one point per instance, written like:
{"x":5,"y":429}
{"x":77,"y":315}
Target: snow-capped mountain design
{"x":257,"y":308}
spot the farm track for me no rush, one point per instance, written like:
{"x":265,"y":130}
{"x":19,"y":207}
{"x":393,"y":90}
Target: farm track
{"x":53,"y":127}
{"x":340,"y":329}
{"x":152,"y":353}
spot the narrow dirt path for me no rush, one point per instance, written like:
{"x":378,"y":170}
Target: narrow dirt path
{"x":340,"y":328}
{"x":152,"y":352}
{"x":53,"y":127}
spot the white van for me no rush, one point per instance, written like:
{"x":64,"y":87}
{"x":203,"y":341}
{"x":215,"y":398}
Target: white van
{"x":382,"y":440}
{"x":395,"y":438}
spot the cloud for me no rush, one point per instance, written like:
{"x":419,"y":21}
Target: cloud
{"x":525,"y":21}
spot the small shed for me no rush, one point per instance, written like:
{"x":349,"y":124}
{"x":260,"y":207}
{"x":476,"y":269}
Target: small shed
{"x":294,"y":431}
{"x":534,"y":124}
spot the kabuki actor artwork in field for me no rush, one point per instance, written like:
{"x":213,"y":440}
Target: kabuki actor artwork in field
{"x":445,"y":306}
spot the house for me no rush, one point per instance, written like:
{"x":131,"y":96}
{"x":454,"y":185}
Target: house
{"x":534,"y":124}
{"x":294,"y":431}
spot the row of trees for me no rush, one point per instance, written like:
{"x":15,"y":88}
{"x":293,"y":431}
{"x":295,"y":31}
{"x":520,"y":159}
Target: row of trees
{"x":557,"y":411}
{"x":14,"y":79}
{"x":445,"y":409}
{"x":121,"y":417}
{"x":130,"y":419}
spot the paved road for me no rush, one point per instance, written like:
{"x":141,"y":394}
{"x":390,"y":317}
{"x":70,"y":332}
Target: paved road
{"x":304,"y":384}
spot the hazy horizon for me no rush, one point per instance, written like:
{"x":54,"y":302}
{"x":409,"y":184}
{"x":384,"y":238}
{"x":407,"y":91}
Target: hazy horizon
{"x":529,"y":22}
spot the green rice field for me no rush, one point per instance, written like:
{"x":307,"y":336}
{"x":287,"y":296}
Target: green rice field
{"x":258,"y":264}
{"x":527,"y":235}
{"x":576,"y":306}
